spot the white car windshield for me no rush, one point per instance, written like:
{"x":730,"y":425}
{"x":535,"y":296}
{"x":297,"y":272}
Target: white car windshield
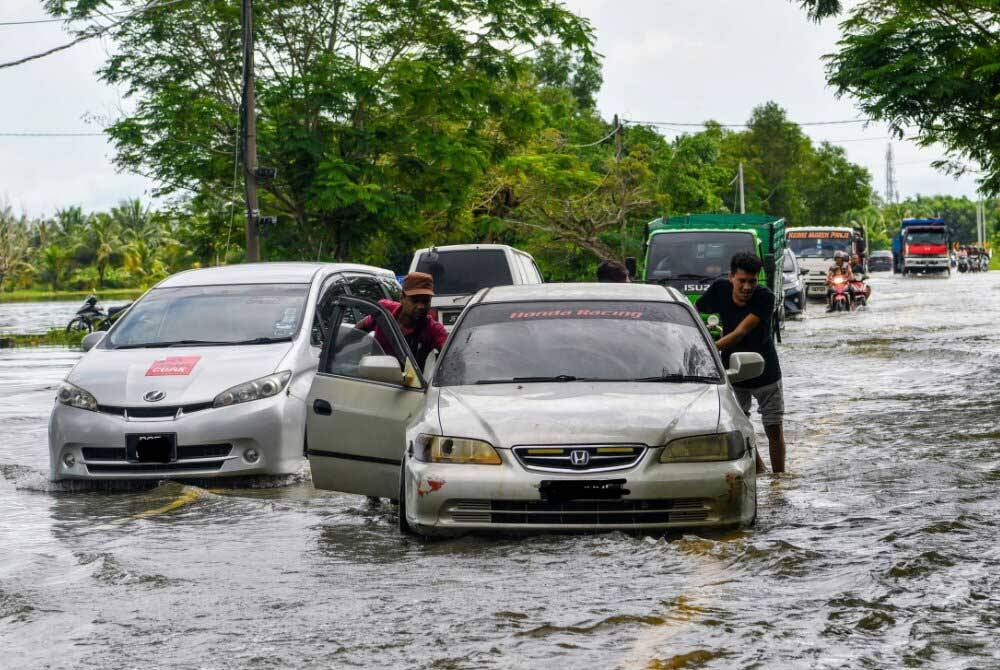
{"x":212,"y":315}
{"x":576,"y":341}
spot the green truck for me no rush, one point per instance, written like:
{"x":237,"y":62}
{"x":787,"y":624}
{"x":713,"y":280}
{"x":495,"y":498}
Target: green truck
{"x":689,"y":252}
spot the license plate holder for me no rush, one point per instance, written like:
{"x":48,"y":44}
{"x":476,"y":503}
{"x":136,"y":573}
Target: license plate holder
{"x":151,"y":447}
{"x":566,"y":490}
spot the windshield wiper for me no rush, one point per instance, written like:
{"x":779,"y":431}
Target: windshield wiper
{"x":517,"y":380}
{"x":680,"y":379}
{"x":202,"y":343}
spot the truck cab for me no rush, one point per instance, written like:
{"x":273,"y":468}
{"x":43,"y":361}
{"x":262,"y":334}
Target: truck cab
{"x":460,"y":270}
{"x":689,"y":252}
{"x":921,"y":245}
{"x":815,"y":248}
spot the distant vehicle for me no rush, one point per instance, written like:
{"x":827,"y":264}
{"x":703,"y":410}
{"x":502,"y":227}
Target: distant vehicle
{"x":794,"y":285}
{"x":815,"y":247}
{"x":921,"y":245}
{"x":554,"y":407}
{"x":880,"y":261}
{"x":840,"y":301}
{"x":91,"y":316}
{"x":691,"y":251}
{"x":460,"y":270}
{"x":205,"y":375}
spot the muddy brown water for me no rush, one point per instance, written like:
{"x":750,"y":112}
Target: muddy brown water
{"x":878,"y":550}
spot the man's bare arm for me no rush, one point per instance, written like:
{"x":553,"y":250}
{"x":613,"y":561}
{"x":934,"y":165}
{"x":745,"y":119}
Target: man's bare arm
{"x":741,"y":331}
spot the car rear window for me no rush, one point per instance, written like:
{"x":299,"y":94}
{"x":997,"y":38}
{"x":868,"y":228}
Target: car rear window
{"x":467,"y":271}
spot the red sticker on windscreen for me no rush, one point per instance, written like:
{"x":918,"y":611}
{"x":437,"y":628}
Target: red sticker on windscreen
{"x":179,"y":366}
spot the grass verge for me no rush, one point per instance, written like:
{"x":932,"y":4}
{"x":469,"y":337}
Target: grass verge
{"x":54,"y":337}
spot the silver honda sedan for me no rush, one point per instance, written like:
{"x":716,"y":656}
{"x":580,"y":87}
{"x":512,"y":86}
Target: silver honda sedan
{"x":552,"y":407}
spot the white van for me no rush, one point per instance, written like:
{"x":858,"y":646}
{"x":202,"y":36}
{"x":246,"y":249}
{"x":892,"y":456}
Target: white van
{"x":459,"y":270}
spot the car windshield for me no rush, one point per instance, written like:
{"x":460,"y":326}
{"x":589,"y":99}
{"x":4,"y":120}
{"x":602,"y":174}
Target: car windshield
{"x":925,"y":237}
{"x":465,"y":272}
{"x":819,"y":244}
{"x":571,"y":340}
{"x":695,"y":255}
{"x":207,"y":315}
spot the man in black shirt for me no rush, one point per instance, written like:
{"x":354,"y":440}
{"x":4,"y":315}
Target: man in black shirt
{"x":746,"y":311}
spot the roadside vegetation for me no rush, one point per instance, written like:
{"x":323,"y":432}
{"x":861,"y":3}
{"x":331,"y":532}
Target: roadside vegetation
{"x":395,"y":125}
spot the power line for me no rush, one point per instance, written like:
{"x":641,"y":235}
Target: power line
{"x":739,"y":125}
{"x":29,"y":22}
{"x":52,"y":134}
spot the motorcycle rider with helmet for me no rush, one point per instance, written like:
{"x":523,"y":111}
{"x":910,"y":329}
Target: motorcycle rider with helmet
{"x":841,"y":267}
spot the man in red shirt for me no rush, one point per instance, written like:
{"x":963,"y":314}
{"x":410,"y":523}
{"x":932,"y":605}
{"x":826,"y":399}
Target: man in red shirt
{"x":422,"y":333}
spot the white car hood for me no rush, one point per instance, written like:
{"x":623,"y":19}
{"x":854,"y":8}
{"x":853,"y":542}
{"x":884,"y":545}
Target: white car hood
{"x":579,"y":412}
{"x":121,"y":377}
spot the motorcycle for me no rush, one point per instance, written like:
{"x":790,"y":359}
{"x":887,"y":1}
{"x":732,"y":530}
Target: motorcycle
{"x":841,"y":300}
{"x":859,"y":293}
{"x":91,"y":317}
{"x":963,"y":263}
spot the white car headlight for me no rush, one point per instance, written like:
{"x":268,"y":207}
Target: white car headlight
{"x":74,"y":396}
{"x":703,"y":448}
{"x":265,"y":387}
{"x":441,"y":449}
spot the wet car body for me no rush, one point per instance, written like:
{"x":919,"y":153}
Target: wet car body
{"x":880,"y":261}
{"x":543,"y":455}
{"x":134,"y":411}
{"x":793,"y":284}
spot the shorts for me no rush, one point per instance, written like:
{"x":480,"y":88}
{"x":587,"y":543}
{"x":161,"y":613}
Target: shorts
{"x":770,"y":402}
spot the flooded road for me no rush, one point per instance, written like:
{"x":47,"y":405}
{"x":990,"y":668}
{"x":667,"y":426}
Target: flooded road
{"x":877,"y":550}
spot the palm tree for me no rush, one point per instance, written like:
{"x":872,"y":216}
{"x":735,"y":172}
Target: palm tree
{"x":54,"y":260}
{"x":145,"y":237}
{"x":15,"y":244}
{"x":105,"y":231}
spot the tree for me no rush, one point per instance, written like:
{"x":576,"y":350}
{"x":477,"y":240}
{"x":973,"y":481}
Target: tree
{"x":832,"y":186}
{"x":14,"y":244}
{"x":380,"y":115}
{"x":929,"y":65}
{"x":105,"y":232}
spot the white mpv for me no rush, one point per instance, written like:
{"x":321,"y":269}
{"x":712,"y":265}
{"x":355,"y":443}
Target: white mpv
{"x":206,"y":375}
{"x":552,"y":407}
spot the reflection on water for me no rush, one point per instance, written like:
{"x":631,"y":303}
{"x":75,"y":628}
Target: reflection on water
{"x":877,"y":550}
{"x":36,"y":317}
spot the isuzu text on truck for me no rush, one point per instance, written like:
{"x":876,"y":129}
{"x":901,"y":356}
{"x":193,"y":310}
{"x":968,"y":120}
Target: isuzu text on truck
{"x":921,"y":245}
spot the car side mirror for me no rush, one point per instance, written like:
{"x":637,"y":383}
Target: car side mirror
{"x":92,"y":340}
{"x":744,"y":365}
{"x":380,"y":369}
{"x":631,"y":266}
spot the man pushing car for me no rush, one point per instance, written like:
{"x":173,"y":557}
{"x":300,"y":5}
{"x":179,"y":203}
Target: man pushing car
{"x":746,"y":310}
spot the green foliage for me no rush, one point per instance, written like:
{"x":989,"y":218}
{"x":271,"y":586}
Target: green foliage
{"x":929,"y":65}
{"x":14,"y":245}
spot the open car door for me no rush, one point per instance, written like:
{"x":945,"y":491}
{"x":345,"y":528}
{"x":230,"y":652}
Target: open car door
{"x":365,"y":392}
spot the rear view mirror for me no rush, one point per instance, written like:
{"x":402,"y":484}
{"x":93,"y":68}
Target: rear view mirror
{"x":631,"y":266}
{"x":92,"y":340}
{"x":744,"y":365}
{"x":380,"y":369}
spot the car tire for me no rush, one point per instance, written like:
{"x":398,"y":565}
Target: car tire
{"x":404,"y":525}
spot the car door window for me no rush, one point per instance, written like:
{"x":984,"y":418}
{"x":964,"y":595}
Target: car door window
{"x":332,"y":289}
{"x":391,"y":288}
{"x":373,"y":334}
{"x":366,"y":287}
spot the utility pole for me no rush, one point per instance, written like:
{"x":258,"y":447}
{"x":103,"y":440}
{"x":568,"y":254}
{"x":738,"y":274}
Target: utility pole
{"x":891,"y":189}
{"x":619,"y":152}
{"x":248,"y":114}
{"x":743,"y":204}
{"x":619,"y":149}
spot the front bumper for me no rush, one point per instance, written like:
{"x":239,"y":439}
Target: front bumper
{"x":444,"y":499}
{"x":273,"y":427}
{"x":929,"y":263}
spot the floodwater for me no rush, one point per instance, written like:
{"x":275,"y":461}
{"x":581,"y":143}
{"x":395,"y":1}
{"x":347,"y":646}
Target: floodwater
{"x":877,"y":550}
{"x":36,"y":317}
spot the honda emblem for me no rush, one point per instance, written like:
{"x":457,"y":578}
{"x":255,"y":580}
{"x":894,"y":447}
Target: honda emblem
{"x":579,"y":457}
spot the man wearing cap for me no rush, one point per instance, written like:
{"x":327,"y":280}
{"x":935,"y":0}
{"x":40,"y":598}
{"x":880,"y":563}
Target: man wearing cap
{"x":422,"y":333}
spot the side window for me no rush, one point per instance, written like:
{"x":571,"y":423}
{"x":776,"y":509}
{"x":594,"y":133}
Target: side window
{"x":533,"y":270}
{"x":332,"y":289}
{"x":370,"y":336}
{"x":392,"y":288}
{"x":366,"y":287}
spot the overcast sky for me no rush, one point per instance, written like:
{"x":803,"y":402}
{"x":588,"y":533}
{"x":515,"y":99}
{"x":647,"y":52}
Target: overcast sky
{"x":675,"y":61}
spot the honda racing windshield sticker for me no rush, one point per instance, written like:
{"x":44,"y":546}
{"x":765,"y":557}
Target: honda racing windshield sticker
{"x":173,"y":366}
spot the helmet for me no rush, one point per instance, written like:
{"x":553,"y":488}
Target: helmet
{"x":840,"y":254}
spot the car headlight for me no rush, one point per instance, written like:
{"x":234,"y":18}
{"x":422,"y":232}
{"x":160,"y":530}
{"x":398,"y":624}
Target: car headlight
{"x":702,"y":448}
{"x":74,"y":396}
{"x":441,"y":449}
{"x":265,"y":387}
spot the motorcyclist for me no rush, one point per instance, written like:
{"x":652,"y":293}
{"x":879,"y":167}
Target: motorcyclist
{"x":840,"y":268}
{"x":858,"y":270}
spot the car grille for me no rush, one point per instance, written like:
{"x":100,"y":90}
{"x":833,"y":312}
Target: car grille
{"x":579,"y":512}
{"x":200,"y":457}
{"x":164,"y":412}
{"x":597,"y":458}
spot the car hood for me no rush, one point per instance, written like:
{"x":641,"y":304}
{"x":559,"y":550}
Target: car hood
{"x":579,"y":412}
{"x":186,"y":375}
